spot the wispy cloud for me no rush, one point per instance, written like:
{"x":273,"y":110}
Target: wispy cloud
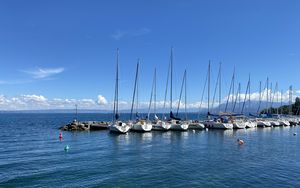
{"x":119,"y":34}
{"x":40,"y":73}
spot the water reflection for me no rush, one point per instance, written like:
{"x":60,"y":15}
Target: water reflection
{"x":120,"y":139}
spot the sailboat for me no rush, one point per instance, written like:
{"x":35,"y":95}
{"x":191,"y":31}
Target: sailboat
{"x":239,"y":122}
{"x":220,"y":122}
{"x":157,"y":124}
{"x":274,"y":121}
{"x":263,"y":122}
{"x":139,"y":125}
{"x":249,"y":122}
{"x":117,"y":125}
{"x":196,"y":124}
{"x":176,"y":123}
{"x":282,"y":121}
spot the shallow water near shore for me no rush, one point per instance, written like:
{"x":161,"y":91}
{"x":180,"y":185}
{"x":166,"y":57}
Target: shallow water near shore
{"x":31,"y":155}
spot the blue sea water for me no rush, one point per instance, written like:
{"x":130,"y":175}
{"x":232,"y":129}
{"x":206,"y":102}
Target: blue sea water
{"x":31,"y":155}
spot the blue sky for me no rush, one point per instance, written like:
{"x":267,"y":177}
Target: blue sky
{"x":66,"y":50}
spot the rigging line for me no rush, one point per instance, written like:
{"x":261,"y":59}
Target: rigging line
{"x":166,"y":91}
{"x":134,"y":90}
{"x":232,"y":80}
{"x":236,"y":97}
{"x":183,"y":80}
{"x":216,"y":86}
{"x":262,"y":94}
{"x":203,"y":91}
{"x":152,"y":90}
{"x":245,"y":98}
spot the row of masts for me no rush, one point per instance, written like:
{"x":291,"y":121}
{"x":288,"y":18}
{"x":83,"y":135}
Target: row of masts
{"x":233,"y":96}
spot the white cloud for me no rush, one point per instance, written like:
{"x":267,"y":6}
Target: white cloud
{"x":36,"y":102}
{"x":101,"y":100}
{"x":44,"y":72}
{"x":40,"y":102}
{"x":119,"y":34}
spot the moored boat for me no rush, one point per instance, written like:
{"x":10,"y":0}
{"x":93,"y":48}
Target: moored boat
{"x":177,"y":125}
{"x":263,"y":123}
{"x":141,"y":126}
{"x":196,"y":125}
{"x":117,"y":126}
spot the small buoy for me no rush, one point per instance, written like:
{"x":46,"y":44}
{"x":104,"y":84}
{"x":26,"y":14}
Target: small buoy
{"x":240,"y":141}
{"x":194,"y":131}
{"x":67,"y":147}
{"x":206,"y":129}
{"x":295,"y":134}
{"x":60,"y":135}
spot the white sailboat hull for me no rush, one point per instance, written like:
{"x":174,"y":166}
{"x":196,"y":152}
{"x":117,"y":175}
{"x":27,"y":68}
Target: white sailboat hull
{"x":179,"y":127}
{"x":119,"y":128}
{"x":250,"y":124}
{"x":218,"y":125}
{"x":284,"y":123}
{"x":275,"y":123}
{"x":239,"y":125}
{"x":161,"y":126}
{"x":263,"y":124}
{"x":196,"y":126}
{"x":142,"y":127}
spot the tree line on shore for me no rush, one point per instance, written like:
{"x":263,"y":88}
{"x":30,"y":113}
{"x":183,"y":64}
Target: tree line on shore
{"x":292,"y":109}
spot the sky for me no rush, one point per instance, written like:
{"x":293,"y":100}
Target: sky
{"x":55,"y":54}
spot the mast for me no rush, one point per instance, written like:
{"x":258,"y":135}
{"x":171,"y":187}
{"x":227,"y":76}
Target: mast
{"x":208,"y":90}
{"x":277,"y":96}
{"x":152,"y":91}
{"x":271,"y":98}
{"x":202,"y":96}
{"x":236,"y":98}
{"x":259,"y":103}
{"x":233,"y":82}
{"x":245,"y":98}
{"x":155,"y":91}
{"x":267,"y":95}
{"x":216,"y":87}
{"x":249,"y":93}
{"x":185,"y":97}
{"x":171,"y":90}
{"x":230,"y":89}
{"x":166,"y":91}
{"x":290,"y":99}
{"x":281,"y":102}
{"x":220,"y":85}
{"x":239,"y":95}
{"x":116,"y":98}
{"x":135,"y":88}
{"x":182,"y":84}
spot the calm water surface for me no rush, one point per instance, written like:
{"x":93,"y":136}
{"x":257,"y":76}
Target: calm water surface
{"x":31,"y":155}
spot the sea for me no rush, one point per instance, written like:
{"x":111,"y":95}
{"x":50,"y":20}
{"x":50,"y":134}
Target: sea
{"x":32,"y":155}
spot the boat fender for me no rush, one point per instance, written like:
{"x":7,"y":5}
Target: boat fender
{"x":240,"y":141}
{"x":67,"y":147}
